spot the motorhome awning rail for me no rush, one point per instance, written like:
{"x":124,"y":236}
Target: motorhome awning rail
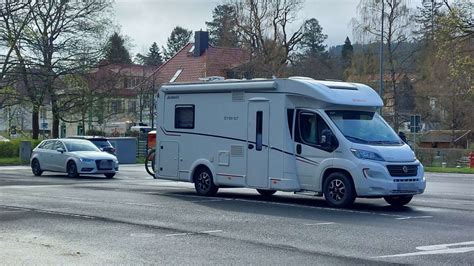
{"x":220,"y":86}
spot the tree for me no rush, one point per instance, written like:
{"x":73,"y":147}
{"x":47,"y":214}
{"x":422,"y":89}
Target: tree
{"x":115,"y":51}
{"x":264,"y":27}
{"x":222,"y":29}
{"x":397,"y":22}
{"x":312,"y":40}
{"x":153,"y":58}
{"x":346,"y":54}
{"x":178,"y":39}
{"x":63,"y":38}
{"x":427,"y":18}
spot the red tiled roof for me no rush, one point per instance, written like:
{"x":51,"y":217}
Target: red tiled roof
{"x":213,"y":62}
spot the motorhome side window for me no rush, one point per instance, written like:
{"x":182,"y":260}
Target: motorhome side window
{"x":289,"y":114}
{"x":184,"y":116}
{"x":309,"y":130}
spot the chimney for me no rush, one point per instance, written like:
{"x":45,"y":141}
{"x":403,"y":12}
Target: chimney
{"x":201,"y":42}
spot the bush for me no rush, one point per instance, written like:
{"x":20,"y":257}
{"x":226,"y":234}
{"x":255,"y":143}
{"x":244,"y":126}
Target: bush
{"x":12,"y":148}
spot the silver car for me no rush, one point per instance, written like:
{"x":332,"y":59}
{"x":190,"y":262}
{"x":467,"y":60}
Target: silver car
{"x":72,"y":156}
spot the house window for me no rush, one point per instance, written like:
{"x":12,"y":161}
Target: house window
{"x":132,"y":106}
{"x":184,"y":116}
{"x":116,"y":106}
{"x":176,"y":75}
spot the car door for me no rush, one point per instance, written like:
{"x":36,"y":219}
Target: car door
{"x":44,"y":155}
{"x":311,"y":148}
{"x":58,"y":159}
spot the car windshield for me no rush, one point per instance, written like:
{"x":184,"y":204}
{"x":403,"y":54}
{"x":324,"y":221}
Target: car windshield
{"x":364,"y":127}
{"x":80,"y":145}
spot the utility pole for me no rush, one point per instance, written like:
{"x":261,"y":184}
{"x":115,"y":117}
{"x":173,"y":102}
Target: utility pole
{"x":381,"y":53}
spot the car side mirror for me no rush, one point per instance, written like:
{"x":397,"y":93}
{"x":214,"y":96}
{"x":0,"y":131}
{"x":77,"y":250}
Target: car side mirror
{"x":61,"y":150}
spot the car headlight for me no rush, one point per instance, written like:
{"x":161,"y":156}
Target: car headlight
{"x":362,"y":154}
{"x":86,"y":160}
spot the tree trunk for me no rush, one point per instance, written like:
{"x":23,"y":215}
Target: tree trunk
{"x":35,"y":122}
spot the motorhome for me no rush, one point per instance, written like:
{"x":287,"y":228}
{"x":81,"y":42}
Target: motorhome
{"x":296,"y":134}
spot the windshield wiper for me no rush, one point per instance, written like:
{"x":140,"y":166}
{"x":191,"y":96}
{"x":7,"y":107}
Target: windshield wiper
{"x":356,"y":139}
{"x":383,"y":142}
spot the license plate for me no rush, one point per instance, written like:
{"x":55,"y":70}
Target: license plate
{"x":105,"y":164}
{"x":406,"y":186}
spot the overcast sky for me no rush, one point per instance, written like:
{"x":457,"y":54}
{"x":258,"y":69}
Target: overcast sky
{"x":148,"y":21}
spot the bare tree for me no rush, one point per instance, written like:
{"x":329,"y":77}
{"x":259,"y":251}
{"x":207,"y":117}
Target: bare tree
{"x":264,"y":27}
{"x":397,"y":27}
{"x":63,"y":37}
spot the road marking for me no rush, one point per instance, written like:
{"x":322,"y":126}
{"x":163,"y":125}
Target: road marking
{"x":196,"y":233}
{"x":437,"y":249}
{"x":321,"y":223}
{"x":413,"y":217}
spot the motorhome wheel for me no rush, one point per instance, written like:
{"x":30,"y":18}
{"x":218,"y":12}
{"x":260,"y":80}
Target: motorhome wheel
{"x":338,"y":190}
{"x":204,"y":183}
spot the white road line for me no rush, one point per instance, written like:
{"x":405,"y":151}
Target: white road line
{"x":197,"y":233}
{"x":437,"y":250}
{"x":321,"y":223}
{"x":413,"y":217}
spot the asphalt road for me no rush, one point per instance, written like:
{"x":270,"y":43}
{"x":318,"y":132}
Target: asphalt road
{"x":133,"y":219}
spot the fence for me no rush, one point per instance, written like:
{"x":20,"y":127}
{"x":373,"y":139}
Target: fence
{"x":436,"y":157}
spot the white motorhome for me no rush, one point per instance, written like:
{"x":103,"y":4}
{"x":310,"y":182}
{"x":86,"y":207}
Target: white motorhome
{"x":295,"y":134}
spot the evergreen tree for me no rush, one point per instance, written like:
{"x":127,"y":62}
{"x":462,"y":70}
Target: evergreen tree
{"x":153,"y":57}
{"x":223,"y":27}
{"x":116,"y":52}
{"x":312,"y":39}
{"x":427,"y":18}
{"x":178,"y":39}
{"x":346,"y":53}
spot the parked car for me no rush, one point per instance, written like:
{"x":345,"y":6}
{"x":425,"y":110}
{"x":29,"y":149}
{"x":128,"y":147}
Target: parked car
{"x":101,"y":142}
{"x":72,"y":156}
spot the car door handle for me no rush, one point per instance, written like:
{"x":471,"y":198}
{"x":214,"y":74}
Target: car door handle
{"x":298,"y":148}
{"x":250,"y":146}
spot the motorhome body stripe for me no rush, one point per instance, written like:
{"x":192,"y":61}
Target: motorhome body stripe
{"x":302,"y":159}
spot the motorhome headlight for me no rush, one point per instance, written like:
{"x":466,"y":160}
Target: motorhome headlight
{"x":362,"y":154}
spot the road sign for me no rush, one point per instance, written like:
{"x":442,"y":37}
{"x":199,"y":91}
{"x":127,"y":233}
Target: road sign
{"x":415,"y":123}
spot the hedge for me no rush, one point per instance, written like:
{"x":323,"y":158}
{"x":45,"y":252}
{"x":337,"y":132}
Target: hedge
{"x":12,"y":148}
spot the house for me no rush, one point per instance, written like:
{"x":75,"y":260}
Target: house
{"x":442,"y":139}
{"x":200,"y":60}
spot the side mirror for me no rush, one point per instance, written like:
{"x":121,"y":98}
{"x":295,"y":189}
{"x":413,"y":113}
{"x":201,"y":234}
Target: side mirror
{"x":61,"y":150}
{"x":328,"y":140}
{"x":402,"y":137}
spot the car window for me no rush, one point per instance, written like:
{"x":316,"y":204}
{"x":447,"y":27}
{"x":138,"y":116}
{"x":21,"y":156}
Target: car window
{"x":58,"y":145}
{"x":48,"y":145}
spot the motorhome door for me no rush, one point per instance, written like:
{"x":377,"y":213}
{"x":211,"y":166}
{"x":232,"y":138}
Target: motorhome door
{"x":258,"y":124}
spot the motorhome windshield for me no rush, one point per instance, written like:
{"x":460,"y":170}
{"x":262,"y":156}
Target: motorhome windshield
{"x":364,"y":127}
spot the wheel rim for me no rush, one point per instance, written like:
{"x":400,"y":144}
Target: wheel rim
{"x":36,"y":168}
{"x":337,"y":190}
{"x":72,"y":169}
{"x":204,"y":181}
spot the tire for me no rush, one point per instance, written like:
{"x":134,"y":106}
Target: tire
{"x":338,"y":190}
{"x":204,"y":183}
{"x":109,"y":176}
{"x":266,"y":192}
{"x":36,"y":168}
{"x":398,"y":201}
{"x":72,"y":170}
{"x":150,"y":164}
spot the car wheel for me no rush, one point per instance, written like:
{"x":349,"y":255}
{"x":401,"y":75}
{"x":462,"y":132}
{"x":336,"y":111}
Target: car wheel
{"x":72,"y":170}
{"x":398,"y":201}
{"x":338,"y":190}
{"x":204,"y":183}
{"x":110,"y":175}
{"x":266,"y":192}
{"x":36,"y":168}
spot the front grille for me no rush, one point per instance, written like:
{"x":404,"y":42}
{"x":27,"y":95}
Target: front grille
{"x":110,"y":164}
{"x":402,"y":170}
